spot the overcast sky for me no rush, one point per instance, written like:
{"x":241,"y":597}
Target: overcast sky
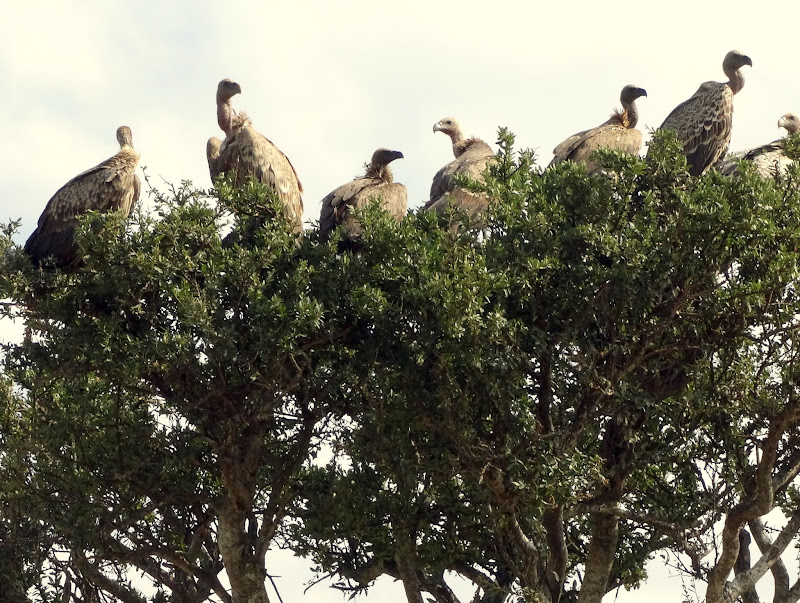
{"x":329,"y":82}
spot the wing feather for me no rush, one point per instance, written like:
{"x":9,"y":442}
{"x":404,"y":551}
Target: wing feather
{"x":251,"y":154}
{"x":703,"y":124}
{"x":111,"y":185}
{"x":444,"y":190}
{"x":356,"y":194}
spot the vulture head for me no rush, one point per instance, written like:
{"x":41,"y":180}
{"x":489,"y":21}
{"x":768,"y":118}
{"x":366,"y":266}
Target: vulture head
{"x":379,"y":165}
{"x":733,"y":61}
{"x":385,"y":157}
{"x":449,"y":126}
{"x":791,"y":122}
{"x":630,"y":93}
{"x":124,"y":136}
{"x":226,"y":89}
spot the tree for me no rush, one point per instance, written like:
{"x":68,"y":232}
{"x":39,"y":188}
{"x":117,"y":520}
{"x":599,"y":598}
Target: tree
{"x":602,"y":372}
{"x":570,"y":391}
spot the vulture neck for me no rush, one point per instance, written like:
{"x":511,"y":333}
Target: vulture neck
{"x":459,"y":144}
{"x":630,"y":114}
{"x":225,"y":117}
{"x":381,"y":172}
{"x":462,"y":146}
{"x":735,"y":80}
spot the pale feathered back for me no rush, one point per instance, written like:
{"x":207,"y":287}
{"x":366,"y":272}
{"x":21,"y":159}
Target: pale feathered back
{"x":767,"y":158}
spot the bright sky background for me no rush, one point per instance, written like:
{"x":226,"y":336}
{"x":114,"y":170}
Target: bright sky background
{"x":329,"y":82}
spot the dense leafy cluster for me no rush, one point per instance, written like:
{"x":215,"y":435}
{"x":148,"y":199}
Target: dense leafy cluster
{"x":600,"y":371}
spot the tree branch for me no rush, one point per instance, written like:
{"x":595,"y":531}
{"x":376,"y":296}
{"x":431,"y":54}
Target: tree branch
{"x":780,"y":575}
{"x":758,"y":503}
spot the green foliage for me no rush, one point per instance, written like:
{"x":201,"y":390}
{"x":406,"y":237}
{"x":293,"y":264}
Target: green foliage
{"x":476,"y":401}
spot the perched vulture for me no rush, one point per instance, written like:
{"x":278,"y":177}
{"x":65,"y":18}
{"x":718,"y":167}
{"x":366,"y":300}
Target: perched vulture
{"x":248,"y":153}
{"x":618,"y":133}
{"x":703,"y":122}
{"x":376,"y":183}
{"x":111,"y":185}
{"x":767,"y":158}
{"x":472,"y":155}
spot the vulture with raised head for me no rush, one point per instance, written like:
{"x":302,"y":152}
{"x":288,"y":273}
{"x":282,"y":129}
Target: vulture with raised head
{"x":376,"y":183}
{"x":618,"y":133}
{"x":247,"y":153}
{"x":767,"y":158}
{"x":703,"y":122}
{"x":109,"y":186}
{"x":472,"y":155}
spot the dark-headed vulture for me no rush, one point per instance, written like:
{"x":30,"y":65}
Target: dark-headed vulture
{"x":618,"y":133}
{"x":376,"y":184}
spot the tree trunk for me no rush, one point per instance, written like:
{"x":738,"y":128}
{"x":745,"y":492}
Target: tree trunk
{"x":600,"y":558}
{"x":245,"y":572}
{"x":409,"y":577}
{"x":743,"y":564}
{"x":240,"y":456}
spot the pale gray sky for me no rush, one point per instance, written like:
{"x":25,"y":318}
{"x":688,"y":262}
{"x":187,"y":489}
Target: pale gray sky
{"x":329,"y":82}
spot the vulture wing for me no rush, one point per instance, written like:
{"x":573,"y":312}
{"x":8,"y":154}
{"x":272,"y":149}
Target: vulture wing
{"x":250,"y":154}
{"x":566,"y":148}
{"x":472,"y":161}
{"x":213,"y":148}
{"x":444,"y":191}
{"x":111,"y":185}
{"x":356,"y":194}
{"x":766,"y":158}
{"x":703,"y":124}
{"x":607,"y":136}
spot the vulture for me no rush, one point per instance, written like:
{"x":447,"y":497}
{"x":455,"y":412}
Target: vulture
{"x":618,"y":133}
{"x":247,"y":153}
{"x":376,"y":183}
{"x":703,"y":122}
{"x":767,"y":158}
{"x":108,"y":186}
{"x":472,"y":155}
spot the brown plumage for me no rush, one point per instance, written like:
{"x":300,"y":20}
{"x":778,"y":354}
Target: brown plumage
{"x":618,"y":133}
{"x":472,"y":155}
{"x":213,"y":148}
{"x":703,"y":122}
{"x":376,"y":183}
{"x":247,"y":153}
{"x":111,"y":185}
{"x":767,"y":158}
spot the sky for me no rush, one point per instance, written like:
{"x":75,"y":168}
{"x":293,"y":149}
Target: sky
{"x":329,"y":82}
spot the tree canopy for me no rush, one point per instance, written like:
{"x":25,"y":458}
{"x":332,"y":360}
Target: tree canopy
{"x":599,"y":372}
